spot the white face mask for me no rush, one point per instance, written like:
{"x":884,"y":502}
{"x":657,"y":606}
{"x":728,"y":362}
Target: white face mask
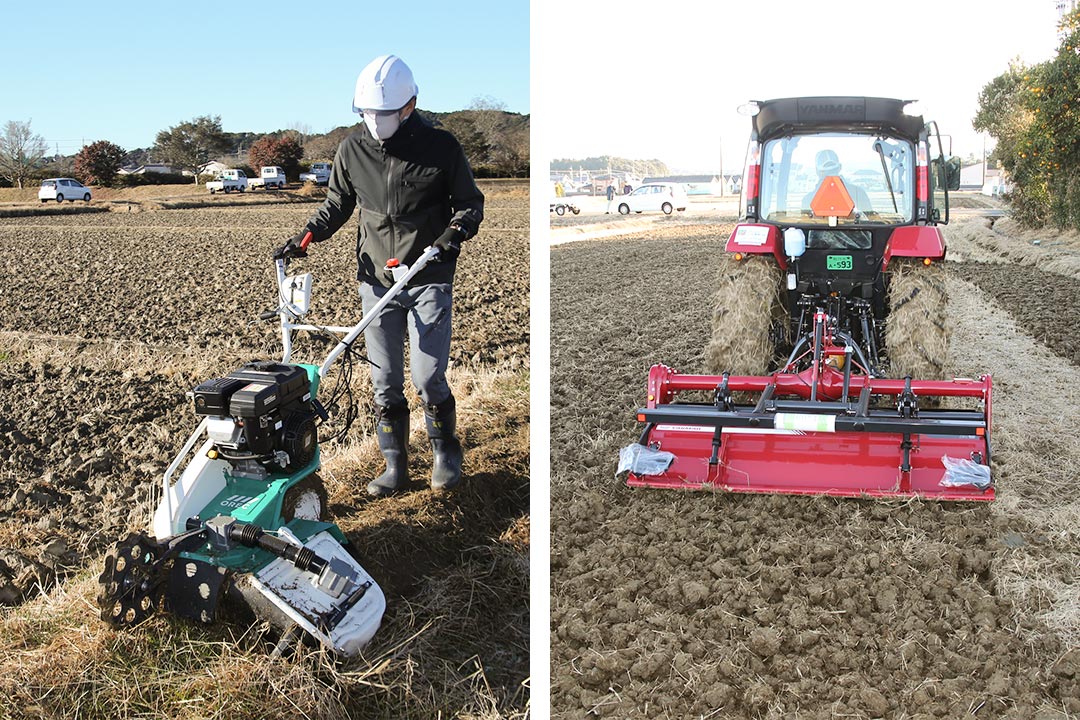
{"x":382,"y":126}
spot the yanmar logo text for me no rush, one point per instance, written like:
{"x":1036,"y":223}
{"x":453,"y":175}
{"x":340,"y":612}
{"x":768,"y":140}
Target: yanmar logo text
{"x":822,"y":110}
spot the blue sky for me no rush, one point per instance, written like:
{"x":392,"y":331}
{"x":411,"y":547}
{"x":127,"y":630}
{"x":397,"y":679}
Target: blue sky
{"x":122,"y":71}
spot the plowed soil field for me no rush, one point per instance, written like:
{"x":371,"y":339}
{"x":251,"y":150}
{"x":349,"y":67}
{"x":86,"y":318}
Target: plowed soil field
{"x":109,"y":319}
{"x":707,"y":605}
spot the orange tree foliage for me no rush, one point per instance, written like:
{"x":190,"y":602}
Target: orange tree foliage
{"x":284,"y":151}
{"x":1034,"y":115}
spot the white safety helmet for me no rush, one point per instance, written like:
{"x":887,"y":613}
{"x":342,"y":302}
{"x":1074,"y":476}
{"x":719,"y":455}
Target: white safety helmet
{"x":828,"y":163}
{"x":385,"y":84}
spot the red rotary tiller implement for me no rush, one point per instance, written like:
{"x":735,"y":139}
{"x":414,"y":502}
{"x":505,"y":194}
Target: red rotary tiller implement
{"x":820,"y":431}
{"x":837,"y":256}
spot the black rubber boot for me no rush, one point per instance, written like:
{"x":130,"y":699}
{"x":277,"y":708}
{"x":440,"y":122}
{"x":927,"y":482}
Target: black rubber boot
{"x":445,"y":448}
{"x":392,"y":430}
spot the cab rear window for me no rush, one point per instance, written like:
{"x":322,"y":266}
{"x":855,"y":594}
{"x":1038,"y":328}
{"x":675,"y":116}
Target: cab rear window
{"x":839,"y":240}
{"x":49,"y":184}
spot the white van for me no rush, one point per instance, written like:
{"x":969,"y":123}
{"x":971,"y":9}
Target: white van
{"x":228,"y":181}
{"x":319,"y":173}
{"x":270,"y":176}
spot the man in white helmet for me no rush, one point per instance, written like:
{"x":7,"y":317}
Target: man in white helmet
{"x":414,"y":189}
{"x":827,"y":163}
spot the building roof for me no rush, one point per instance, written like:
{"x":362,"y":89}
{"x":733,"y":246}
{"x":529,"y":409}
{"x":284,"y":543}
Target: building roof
{"x":685,"y":178}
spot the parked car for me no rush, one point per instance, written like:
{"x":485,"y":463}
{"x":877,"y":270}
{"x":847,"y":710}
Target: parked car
{"x":61,"y":189}
{"x":318,"y":174}
{"x":664,"y":197}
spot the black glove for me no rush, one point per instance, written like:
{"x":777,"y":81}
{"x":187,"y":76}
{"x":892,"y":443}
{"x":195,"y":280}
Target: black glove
{"x":291,"y":248}
{"x":449,"y":243}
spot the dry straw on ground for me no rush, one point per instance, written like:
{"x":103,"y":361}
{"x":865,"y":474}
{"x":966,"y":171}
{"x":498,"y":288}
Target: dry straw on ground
{"x":1005,"y":241}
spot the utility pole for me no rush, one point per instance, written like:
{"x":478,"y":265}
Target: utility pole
{"x":721,"y":166}
{"x":984,"y":161}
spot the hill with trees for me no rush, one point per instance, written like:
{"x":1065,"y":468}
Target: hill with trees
{"x":603,"y":163}
{"x":495,"y":141}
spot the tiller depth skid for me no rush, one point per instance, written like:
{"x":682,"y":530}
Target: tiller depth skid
{"x":824,"y":430}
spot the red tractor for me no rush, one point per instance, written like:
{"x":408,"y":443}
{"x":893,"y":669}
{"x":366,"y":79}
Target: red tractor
{"x":833,"y":283}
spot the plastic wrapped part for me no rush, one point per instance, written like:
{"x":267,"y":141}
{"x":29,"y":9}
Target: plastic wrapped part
{"x":642,"y":460}
{"x":962,"y":472}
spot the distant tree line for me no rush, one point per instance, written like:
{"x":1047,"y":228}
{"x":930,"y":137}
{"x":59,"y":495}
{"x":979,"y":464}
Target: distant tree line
{"x":603,"y":163}
{"x":1033,"y":112}
{"x":495,"y":141}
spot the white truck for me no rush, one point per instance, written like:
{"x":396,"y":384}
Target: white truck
{"x":228,"y":181}
{"x":319,"y":174}
{"x":269,"y":177}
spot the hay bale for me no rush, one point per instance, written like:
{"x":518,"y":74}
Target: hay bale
{"x":747,"y":301}
{"x":917,"y":328}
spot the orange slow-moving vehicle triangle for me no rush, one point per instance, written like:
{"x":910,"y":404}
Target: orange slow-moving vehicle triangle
{"x":832,"y":199}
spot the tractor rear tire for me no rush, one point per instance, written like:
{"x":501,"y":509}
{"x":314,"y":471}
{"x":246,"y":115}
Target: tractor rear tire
{"x":917,"y":329}
{"x":747,"y":308}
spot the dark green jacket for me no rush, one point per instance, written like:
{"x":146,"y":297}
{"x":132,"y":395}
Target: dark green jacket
{"x":409,"y":189}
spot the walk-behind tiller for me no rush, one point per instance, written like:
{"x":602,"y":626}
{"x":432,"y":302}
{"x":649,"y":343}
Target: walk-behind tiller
{"x":830,"y":300}
{"x":245,"y":518}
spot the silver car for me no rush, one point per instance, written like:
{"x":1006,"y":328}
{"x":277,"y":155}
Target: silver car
{"x":61,"y":189}
{"x":662,"y":196}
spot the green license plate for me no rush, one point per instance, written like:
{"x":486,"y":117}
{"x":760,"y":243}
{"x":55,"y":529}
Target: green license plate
{"x":838,"y":262}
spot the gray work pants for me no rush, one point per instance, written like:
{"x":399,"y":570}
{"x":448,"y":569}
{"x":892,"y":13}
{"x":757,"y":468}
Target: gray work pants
{"x":425,"y":311}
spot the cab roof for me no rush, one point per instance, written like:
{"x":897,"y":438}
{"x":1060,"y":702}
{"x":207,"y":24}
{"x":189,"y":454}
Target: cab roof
{"x":835,"y":113}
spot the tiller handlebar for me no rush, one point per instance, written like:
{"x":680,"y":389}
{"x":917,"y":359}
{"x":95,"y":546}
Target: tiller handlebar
{"x":822,"y":430}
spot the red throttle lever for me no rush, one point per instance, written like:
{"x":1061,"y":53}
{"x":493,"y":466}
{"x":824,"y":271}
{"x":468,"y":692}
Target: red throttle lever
{"x":306,"y":241}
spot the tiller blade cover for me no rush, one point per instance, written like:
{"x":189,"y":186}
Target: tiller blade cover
{"x":816,"y":432}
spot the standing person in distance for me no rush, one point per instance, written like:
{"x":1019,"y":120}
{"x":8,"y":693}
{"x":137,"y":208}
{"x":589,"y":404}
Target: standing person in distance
{"x":414,"y":188}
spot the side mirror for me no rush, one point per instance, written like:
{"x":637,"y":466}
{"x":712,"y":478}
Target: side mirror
{"x":952,"y":173}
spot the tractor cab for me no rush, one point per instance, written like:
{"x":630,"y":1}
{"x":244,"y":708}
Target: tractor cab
{"x":830,"y":314}
{"x":838,"y":187}
{"x":866,"y":162}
